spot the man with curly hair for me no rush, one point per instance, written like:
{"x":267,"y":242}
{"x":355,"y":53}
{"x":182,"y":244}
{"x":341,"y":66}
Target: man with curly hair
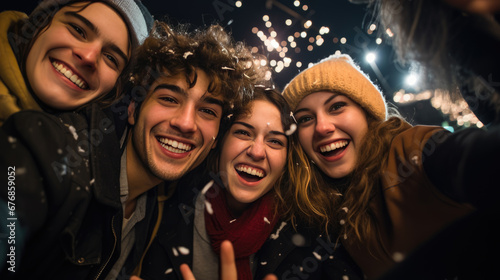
{"x":85,"y":201}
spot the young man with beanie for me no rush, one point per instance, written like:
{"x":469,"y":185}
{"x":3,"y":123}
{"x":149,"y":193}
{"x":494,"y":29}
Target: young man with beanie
{"x":67,"y":54}
{"x":85,"y":201}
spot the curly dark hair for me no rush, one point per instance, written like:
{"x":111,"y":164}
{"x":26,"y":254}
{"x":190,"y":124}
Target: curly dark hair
{"x":168,"y":51}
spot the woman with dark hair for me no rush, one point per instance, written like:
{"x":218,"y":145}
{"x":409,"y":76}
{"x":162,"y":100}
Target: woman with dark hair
{"x":363,"y":174}
{"x":67,"y":54}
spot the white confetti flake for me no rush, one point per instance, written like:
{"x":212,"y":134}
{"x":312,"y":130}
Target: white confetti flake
{"x":415,"y":159}
{"x":20,"y":170}
{"x":81,"y":150}
{"x":73,"y":131}
{"x":298,"y":240}
{"x":59,"y":151}
{"x":342,"y":222}
{"x":12,"y":140}
{"x":175,"y":251}
{"x":227,"y":68}
{"x":397,"y":256}
{"x":206,"y":187}
{"x":183,"y":250}
{"x":345,"y":209}
{"x":232,"y":221}
{"x":291,"y":130}
{"x":277,"y":234}
{"x":208,"y":206}
{"x":345,"y":277}
{"x":330,"y":257}
{"x":186,"y":54}
{"x":317,"y":256}
{"x":266,"y":220}
{"x":92,"y":181}
{"x":263,"y":263}
{"x":168,"y":271}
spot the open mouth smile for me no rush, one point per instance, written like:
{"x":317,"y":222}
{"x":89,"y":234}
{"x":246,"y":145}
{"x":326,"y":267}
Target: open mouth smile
{"x":334,"y":148}
{"x":249,"y":173}
{"x":74,"y":78}
{"x":174,"y":146}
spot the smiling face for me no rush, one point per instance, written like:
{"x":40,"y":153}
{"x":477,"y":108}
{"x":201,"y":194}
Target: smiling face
{"x":331,"y":128}
{"x":254,"y":154}
{"x":176,"y":127}
{"x":79,"y":56}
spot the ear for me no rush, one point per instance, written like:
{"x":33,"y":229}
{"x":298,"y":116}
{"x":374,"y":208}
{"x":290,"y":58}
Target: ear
{"x":131,"y":111}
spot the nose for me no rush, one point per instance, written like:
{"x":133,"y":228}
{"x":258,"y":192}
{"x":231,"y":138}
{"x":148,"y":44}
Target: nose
{"x":257,"y":150}
{"x":185,"y":120}
{"x":324,"y":125}
{"x":88,"y":54}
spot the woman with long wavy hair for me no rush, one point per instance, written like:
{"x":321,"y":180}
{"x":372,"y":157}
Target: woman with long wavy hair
{"x":360,"y":172}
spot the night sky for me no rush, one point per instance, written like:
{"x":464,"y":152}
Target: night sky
{"x":347,"y":22}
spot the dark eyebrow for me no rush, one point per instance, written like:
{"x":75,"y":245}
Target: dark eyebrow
{"x":96,"y":30}
{"x":179,"y":90}
{"x":326,"y":102}
{"x":212,"y":100}
{"x":171,"y":87}
{"x":251,"y":127}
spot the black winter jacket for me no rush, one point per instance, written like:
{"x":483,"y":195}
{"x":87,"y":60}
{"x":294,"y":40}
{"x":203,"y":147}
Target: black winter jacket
{"x":67,"y":212}
{"x":316,"y":259}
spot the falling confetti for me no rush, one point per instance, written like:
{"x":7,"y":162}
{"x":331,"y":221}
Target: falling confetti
{"x":342,"y":222}
{"x":266,"y":220}
{"x":232,"y":221}
{"x":298,"y":240}
{"x":227,"y":68}
{"x":345,"y":209}
{"x":175,"y":251}
{"x":292,"y":129}
{"x":183,"y":250}
{"x":207,"y":187}
{"x":168,"y":271}
{"x":263,"y":263}
{"x":277,"y":234}
{"x":186,"y":54}
{"x":317,"y":256}
{"x":208,"y":206}
{"x":12,"y":140}
{"x":398,"y":257}
{"x":73,"y":131}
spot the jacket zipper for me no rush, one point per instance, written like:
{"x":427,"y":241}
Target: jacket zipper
{"x":112,"y":251}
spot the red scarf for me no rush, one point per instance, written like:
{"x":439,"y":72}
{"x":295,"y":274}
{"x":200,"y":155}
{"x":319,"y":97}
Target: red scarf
{"x":247,"y":233}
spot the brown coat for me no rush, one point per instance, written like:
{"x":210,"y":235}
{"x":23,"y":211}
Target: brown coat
{"x":410,"y":210}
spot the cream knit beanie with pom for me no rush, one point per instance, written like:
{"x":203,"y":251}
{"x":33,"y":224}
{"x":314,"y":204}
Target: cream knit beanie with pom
{"x":339,"y":74}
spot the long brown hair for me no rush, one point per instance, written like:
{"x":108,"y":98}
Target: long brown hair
{"x":342,"y":207}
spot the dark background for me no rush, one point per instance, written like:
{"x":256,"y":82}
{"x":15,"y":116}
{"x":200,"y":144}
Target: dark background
{"x":344,"y":20}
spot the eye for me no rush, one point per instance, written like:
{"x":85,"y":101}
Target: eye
{"x":209,"y":111}
{"x":304,"y":119}
{"x":78,"y":30}
{"x":112,"y":59}
{"x":337,"y":106}
{"x":241,"y":132}
{"x":276,"y":143}
{"x":168,"y":99}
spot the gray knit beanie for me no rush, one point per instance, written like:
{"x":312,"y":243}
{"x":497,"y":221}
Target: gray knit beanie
{"x":137,"y":17}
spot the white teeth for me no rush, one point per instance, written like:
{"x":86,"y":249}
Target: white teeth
{"x":70,"y":75}
{"x":333,"y":146}
{"x":174,"y":146}
{"x":250,"y":170}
